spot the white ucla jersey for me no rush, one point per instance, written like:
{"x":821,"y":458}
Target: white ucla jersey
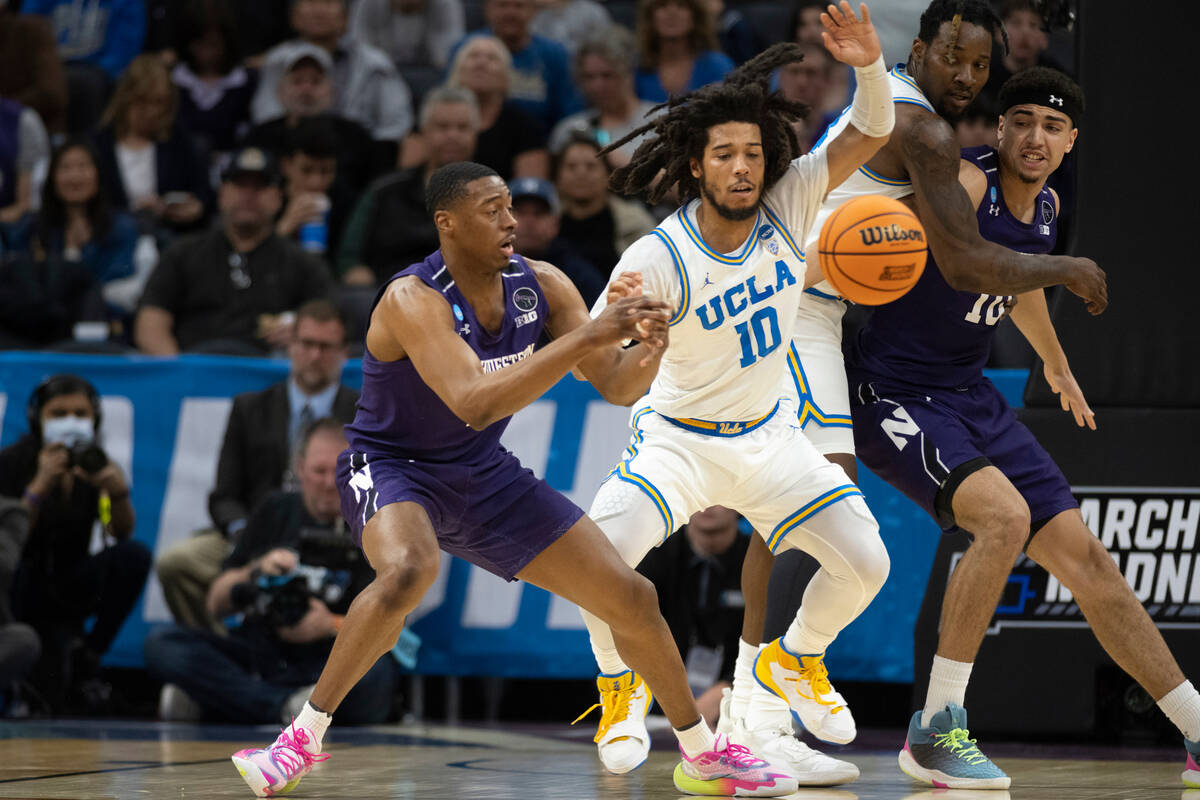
{"x":863,"y":180}
{"x":734,"y":312}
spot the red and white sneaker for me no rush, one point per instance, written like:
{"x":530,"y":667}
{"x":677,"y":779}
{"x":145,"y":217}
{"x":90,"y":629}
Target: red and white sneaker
{"x":277,"y":769}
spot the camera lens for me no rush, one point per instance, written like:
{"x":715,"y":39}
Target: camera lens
{"x":90,"y":458}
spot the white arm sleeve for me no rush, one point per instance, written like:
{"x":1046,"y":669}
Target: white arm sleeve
{"x":798,"y":196}
{"x":660,"y":278}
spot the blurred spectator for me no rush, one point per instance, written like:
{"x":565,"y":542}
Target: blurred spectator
{"x":977,"y":126}
{"x":366,"y":86}
{"x":677,"y":49}
{"x":315,"y":203}
{"x":259,"y":25}
{"x":228,"y":289}
{"x":215,"y":90}
{"x":305,"y":92}
{"x":409,"y":31}
{"x":264,"y":670}
{"x":76,"y":223}
{"x":806,"y":30}
{"x":146,"y":160}
{"x":61,"y":472}
{"x":31,"y":73}
{"x":374,"y":247}
{"x":260,"y":437}
{"x":808,"y":81}
{"x":604,"y":73}
{"x":539,"y":215}
{"x":699,"y":581}
{"x":569,"y":22}
{"x":541,"y":79}
{"x":510,"y":140}
{"x":24,"y":146}
{"x":42,"y":300}
{"x":20,"y":646}
{"x":597,"y":222}
{"x":734,"y":34}
{"x":104,"y":33}
{"x":1028,"y":41}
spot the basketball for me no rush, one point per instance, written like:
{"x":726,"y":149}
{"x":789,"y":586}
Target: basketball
{"x":872,"y":249}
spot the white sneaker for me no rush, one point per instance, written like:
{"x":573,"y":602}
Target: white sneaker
{"x":803,"y":682}
{"x":810,"y":767}
{"x":176,"y":705}
{"x":621,"y":738}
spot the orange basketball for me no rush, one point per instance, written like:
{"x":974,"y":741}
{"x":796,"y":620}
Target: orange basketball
{"x":872,"y":249}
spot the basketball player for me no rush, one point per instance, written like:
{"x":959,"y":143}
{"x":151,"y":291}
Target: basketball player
{"x":947,"y":68}
{"x":450,"y":356}
{"x":928,"y":422}
{"x":711,"y":430}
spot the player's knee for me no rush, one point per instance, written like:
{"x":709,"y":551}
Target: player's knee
{"x":1006,"y":525}
{"x":636,"y":602}
{"x":400,"y":584}
{"x":873,"y":565}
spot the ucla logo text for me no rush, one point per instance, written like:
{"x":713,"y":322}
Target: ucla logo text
{"x":741,"y":296}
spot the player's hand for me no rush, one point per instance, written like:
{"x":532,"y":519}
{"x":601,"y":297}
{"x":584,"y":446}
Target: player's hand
{"x":641,"y":318}
{"x":849,"y":38}
{"x":319,"y":623}
{"x":1063,"y":384}
{"x":627,"y":284}
{"x":1090,"y":283}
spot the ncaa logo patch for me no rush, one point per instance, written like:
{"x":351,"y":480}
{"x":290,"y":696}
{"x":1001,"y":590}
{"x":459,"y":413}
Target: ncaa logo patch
{"x":458,"y":312}
{"x":766,"y":232}
{"x":525,"y":299}
{"x":1047,"y":212}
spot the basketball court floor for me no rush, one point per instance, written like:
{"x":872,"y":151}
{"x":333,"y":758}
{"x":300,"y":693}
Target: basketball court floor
{"x":83,"y":760}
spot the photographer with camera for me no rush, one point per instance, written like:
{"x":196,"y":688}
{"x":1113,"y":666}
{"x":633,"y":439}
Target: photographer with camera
{"x":291,"y":576}
{"x":67,"y":484}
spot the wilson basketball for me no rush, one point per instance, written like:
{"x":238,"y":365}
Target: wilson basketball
{"x":872,"y":249}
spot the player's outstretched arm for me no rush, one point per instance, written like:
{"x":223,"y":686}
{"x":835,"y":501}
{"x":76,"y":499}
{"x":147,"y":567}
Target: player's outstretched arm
{"x":621,"y":375}
{"x":1032,"y":318}
{"x":414,"y":320}
{"x":851,"y":39}
{"x":970,"y":263}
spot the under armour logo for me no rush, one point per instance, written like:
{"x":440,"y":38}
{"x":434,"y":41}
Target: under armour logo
{"x":466,"y":329}
{"x":1058,"y":101}
{"x":994,"y":211}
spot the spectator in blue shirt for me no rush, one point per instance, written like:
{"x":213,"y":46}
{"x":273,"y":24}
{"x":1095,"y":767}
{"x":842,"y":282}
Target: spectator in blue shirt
{"x":107,"y":33}
{"x":541,"y":70}
{"x":678,"y":49}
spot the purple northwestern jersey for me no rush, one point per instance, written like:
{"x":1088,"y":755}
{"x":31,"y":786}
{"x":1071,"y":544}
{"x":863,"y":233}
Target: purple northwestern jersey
{"x":400,"y":416}
{"x":935,"y":336}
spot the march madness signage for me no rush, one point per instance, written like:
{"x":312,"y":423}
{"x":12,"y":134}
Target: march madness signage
{"x":1151,"y":534}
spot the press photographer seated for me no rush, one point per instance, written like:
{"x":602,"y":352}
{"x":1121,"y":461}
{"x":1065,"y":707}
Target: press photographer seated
{"x":68,"y":483}
{"x":287,"y":583}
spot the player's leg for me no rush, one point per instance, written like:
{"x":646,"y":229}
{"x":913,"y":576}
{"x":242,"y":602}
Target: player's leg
{"x":1069,"y":551}
{"x":402,"y":548}
{"x":583,"y":567}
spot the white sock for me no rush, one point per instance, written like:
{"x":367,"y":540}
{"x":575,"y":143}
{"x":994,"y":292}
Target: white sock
{"x":696,"y":739}
{"x":609,"y":660}
{"x":316,"y":722}
{"x":1182,"y":707}
{"x":947,"y":684}
{"x":803,"y":640}
{"x":743,"y":679}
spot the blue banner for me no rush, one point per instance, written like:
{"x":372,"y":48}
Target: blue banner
{"x":164,"y":419}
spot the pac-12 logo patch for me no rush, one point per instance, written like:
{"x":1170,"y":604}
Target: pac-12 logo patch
{"x":525,"y":299}
{"x":1047,"y":212}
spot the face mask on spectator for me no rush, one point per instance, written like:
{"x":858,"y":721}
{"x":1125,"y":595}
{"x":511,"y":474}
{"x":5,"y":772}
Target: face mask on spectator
{"x":71,"y":431}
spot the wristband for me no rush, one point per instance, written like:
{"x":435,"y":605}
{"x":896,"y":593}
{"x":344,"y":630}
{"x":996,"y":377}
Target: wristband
{"x":872,"y":111}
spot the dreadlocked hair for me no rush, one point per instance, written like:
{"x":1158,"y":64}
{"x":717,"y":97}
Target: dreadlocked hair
{"x":680,"y":133}
{"x":956,"y":12}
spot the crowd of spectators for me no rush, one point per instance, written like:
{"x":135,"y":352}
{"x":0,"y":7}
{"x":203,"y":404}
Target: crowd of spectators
{"x":231,"y":177}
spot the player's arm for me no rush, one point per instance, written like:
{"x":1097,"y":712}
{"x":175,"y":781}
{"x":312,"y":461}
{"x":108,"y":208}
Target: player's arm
{"x":415,"y":320}
{"x":620,"y":374}
{"x":970,"y":263}
{"x":851,"y":39}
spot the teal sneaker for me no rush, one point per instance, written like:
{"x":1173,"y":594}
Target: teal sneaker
{"x":1191,"y":768}
{"x":944,"y":756}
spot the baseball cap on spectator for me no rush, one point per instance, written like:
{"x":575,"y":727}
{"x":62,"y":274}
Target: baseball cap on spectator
{"x":252,"y":161}
{"x":535,"y":187}
{"x":296,"y":52}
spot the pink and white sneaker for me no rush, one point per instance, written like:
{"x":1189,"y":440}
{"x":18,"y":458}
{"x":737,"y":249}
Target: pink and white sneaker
{"x":277,"y":769}
{"x":1191,"y":767}
{"x":730,"y":770}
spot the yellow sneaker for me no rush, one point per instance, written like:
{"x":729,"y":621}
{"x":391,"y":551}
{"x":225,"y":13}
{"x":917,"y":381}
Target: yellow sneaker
{"x":621,"y":738}
{"x":804,"y":683}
